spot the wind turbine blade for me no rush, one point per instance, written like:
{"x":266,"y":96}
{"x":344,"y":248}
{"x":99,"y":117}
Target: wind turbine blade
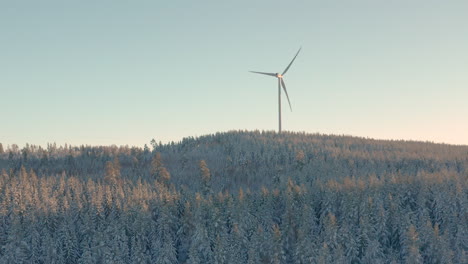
{"x":287,"y":68}
{"x":286,"y":92}
{"x":266,"y":73}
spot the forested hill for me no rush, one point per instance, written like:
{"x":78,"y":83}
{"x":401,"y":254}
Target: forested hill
{"x":236,"y":197}
{"x":244,"y":159}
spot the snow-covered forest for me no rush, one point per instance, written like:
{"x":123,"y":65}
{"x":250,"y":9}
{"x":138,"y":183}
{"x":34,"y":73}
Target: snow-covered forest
{"x":236,"y":197}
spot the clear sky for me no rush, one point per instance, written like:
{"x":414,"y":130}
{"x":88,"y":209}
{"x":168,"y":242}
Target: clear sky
{"x":124,"y":72}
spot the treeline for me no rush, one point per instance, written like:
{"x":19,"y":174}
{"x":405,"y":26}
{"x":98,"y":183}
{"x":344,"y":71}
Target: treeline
{"x":246,"y":159}
{"x":237,"y":197}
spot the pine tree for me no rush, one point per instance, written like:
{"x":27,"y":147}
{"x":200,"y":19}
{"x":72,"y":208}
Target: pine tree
{"x":200,"y":248}
{"x":277,"y":249}
{"x":461,"y":242}
{"x":117,"y":166}
{"x":373,"y":253}
{"x":158,"y":171}
{"x":237,"y":250}
{"x":330,"y":231}
{"x":205,"y":177}
{"x":86,"y":257}
{"x":350,"y":241}
{"x":35,"y":243}
{"x":185,"y":233}
{"x":300,"y":160}
{"x":167,"y":251}
{"x":25,"y":153}
{"x":112,"y":174}
{"x":254,"y":249}
{"x":265,"y":245}
{"x":324,"y":254}
{"x":410,"y":247}
{"x":306,"y":249}
{"x":69,"y":244}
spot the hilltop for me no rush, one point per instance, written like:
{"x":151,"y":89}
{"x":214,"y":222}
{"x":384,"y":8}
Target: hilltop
{"x":243,"y":159}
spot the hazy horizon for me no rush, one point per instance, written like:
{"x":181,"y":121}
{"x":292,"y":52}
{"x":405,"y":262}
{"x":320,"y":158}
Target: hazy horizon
{"x":178,"y":140}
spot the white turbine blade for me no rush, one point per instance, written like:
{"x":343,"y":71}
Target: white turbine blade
{"x":286,"y":92}
{"x":266,"y":73}
{"x":287,"y":68}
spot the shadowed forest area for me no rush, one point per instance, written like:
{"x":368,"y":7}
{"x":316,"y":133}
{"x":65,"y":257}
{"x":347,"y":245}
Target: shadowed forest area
{"x":236,"y":197}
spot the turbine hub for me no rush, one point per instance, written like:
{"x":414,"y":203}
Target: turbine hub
{"x":279,"y":75}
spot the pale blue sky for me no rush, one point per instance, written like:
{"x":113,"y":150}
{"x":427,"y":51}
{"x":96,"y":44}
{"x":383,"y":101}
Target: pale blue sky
{"x":124,"y":72}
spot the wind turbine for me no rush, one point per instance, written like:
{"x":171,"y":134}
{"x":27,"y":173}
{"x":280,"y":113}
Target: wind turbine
{"x":280,"y":83}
